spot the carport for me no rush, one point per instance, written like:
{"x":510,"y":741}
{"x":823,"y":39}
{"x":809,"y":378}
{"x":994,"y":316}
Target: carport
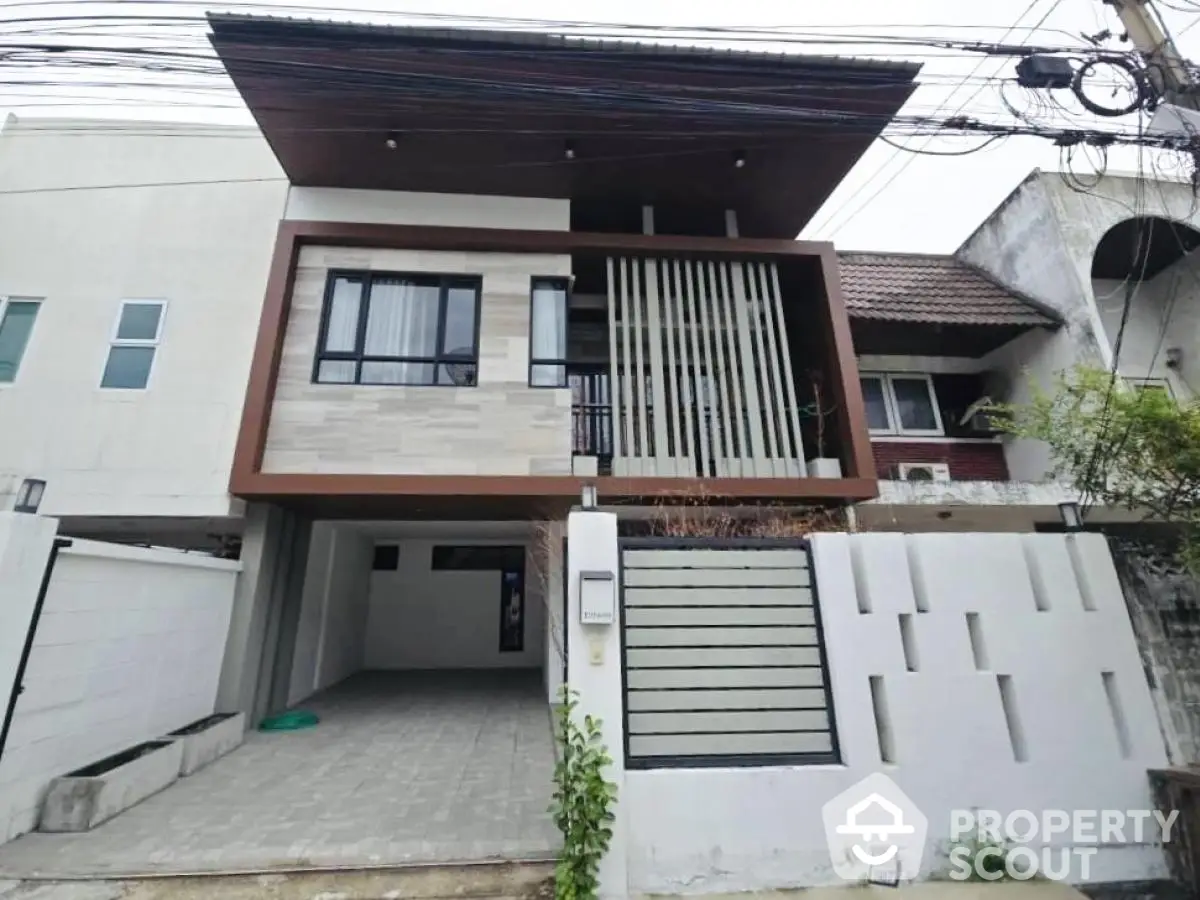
{"x":422,"y":648}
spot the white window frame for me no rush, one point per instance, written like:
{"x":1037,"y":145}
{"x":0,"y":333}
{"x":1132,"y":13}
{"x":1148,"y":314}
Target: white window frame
{"x":115,"y":341}
{"x":893,"y":413}
{"x":5,"y":300}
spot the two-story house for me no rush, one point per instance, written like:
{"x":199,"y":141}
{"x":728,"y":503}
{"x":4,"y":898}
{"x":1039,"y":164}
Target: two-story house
{"x":386,"y":338}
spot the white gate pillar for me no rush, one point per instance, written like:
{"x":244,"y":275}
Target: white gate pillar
{"x":594,"y":671}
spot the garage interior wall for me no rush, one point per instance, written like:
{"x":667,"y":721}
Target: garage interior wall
{"x":425,"y":619}
{"x":333,"y":614}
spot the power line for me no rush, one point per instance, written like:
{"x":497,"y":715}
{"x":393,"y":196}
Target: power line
{"x":841,"y":211}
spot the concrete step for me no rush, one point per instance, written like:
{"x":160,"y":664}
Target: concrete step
{"x":494,"y":881}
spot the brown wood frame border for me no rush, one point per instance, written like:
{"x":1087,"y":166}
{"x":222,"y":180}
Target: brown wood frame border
{"x":247,"y":479}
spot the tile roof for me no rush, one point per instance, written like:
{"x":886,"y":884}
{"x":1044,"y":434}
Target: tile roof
{"x":899,"y":287}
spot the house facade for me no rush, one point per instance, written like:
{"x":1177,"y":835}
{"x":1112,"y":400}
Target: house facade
{"x":378,"y":346}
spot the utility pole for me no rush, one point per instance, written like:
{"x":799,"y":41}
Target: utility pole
{"x":1167,"y":70}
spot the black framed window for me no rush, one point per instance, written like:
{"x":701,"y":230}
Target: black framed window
{"x":548,"y":333}
{"x":393,"y":328}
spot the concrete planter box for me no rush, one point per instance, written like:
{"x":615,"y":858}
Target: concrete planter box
{"x":94,"y":794}
{"x":824,"y":467}
{"x":209,"y":739}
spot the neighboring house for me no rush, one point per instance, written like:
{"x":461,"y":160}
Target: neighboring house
{"x":1040,"y":286}
{"x":134,"y":259}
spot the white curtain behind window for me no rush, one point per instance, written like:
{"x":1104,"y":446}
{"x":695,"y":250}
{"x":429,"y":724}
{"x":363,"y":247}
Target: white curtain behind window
{"x":342,"y":329}
{"x":402,"y":319}
{"x":549,"y":323}
{"x":549,"y":332}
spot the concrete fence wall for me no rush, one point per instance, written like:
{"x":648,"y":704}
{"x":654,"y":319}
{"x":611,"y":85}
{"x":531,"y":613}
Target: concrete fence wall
{"x":995,"y":671}
{"x":128,"y":648}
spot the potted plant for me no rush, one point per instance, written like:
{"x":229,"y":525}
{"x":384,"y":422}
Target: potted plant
{"x":821,"y":466}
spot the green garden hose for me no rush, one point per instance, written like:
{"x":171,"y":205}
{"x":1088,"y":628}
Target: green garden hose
{"x":292,"y":720}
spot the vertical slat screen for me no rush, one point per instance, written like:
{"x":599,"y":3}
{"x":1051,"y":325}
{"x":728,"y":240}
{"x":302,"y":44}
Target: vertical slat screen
{"x":714,"y":397}
{"x":618,"y":420}
{"x":754,"y":408}
{"x":663,"y":411}
{"x":701,"y":370}
{"x":641,"y":401}
{"x":686,"y":450}
{"x":723,"y":657}
{"x":789,"y":380}
{"x":729,"y":450}
{"x":627,"y":409}
{"x":699,"y":367}
{"x":788,"y":443}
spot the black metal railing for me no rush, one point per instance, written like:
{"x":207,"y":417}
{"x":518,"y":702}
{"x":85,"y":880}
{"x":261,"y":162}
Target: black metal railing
{"x":591,"y":413}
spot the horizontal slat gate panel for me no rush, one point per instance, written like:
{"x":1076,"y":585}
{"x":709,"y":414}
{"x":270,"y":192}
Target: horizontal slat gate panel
{"x":677,"y":679}
{"x":797,"y":636}
{"x":642,"y":617}
{"x":727,"y":722}
{"x":716,"y":559}
{"x":705,"y":578}
{"x":760,"y":698}
{"x":647,"y":745}
{"x":751,"y":657}
{"x":722,"y":655}
{"x":699,"y":596}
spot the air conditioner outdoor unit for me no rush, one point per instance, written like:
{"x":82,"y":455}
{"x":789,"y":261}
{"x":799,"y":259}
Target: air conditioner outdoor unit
{"x":923,"y":471}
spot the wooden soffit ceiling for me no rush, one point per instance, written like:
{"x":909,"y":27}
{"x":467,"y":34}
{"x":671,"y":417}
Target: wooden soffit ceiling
{"x":495,"y":113}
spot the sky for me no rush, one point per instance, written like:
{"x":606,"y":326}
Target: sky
{"x":892,"y":199}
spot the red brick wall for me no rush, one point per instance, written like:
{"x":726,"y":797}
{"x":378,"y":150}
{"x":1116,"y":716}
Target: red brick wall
{"x":968,"y":462}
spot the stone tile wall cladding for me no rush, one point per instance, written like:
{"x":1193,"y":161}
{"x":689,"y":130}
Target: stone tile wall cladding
{"x":500,"y":427}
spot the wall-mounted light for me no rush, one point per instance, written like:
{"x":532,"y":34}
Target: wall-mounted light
{"x":569,"y":150}
{"x":29,"y":495}
{"x":392,"y":141}
{"x":739,"y":160}
{"x":588,"y":497}
{"x":1072,"y":517}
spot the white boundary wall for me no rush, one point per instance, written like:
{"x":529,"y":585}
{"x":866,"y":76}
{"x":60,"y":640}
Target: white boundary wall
{"x":128,"y":648}
{"x":1052,"y":618}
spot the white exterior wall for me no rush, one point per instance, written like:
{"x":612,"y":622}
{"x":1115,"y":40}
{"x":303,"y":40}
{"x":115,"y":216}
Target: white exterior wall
{"x":128,"y":649}
{"x":422,"y":619}
{"x":331,"y":633}
{"x":204,"y":248}
{"x":725,"y":830}
{"x":414,"y":208}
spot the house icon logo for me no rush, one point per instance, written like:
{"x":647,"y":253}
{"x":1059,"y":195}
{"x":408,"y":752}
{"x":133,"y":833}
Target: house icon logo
{"x":875,"y":833}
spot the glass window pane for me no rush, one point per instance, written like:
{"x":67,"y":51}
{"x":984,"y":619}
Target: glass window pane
{"x":548,"y":376}
{"x":548,"y":336}
{"x":402,"y":319}
{"x":15,"y":328}
{"x":396,"y":373}
{"x":877,"y":414}
{"x":461,"y":306}
{"x":139,"y":322}
{"x":461,"y":374}
{"x":127,"y":367}
{"x":336,"y":371}
{"x":341,"y":331}
{"x":913,"y":404}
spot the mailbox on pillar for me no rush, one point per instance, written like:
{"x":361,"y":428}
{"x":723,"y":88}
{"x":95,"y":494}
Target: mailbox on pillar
{"x":597,"y":598}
